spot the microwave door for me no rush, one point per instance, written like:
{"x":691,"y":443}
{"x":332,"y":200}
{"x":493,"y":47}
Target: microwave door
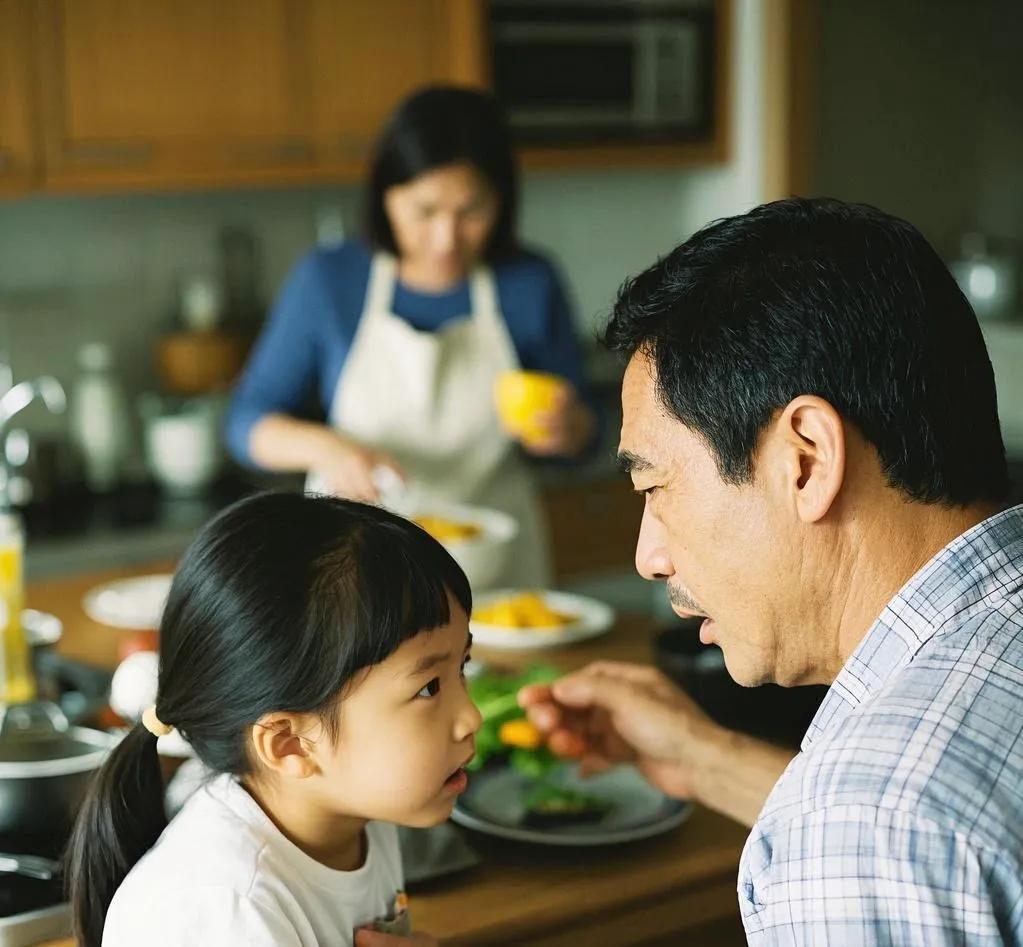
{"x":554,"y":76}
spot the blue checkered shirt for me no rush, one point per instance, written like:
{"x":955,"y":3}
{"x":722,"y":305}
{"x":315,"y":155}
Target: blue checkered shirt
{"x":901,"y":820}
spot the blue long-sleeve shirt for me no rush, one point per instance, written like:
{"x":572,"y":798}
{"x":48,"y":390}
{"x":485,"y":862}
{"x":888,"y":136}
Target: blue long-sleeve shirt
{"x":302,"y":350}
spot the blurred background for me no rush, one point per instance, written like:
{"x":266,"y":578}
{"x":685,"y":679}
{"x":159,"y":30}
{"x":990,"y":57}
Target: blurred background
{"x":164,"y":164}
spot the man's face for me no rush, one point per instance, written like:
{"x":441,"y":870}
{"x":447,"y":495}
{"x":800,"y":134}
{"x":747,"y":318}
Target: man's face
{"x":729,"y":553}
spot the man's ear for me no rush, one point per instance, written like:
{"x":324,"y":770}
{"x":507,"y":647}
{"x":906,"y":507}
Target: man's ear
{"x":281,"y":743}
{"x":809,"y":442}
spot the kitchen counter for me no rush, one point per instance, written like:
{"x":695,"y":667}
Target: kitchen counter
{"x":680,"y":885}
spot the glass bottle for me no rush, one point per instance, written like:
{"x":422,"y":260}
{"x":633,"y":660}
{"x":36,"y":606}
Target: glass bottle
{"x":16,"y":674}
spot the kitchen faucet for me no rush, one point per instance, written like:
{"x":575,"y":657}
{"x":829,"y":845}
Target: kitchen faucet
{"x":16,"y":398}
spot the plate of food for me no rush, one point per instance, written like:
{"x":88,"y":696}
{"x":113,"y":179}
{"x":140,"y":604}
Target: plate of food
{"x":519,"y":790}
{"x":530,"y":618}
{"x":135,"y":603}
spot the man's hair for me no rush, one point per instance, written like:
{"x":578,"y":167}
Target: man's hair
{"x":820,"y":297}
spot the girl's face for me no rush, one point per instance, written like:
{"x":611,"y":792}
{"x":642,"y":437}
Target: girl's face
{"x":441,"y":221}
{"x":406,"y":729}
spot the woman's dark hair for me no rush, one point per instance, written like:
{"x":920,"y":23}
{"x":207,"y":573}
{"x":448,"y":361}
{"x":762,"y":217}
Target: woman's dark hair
{"x":439,"y":126}
{"x":277,"y":603}
{"x":824,"y":298}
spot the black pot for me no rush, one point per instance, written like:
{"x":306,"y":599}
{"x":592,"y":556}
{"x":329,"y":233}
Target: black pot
{"x":43,"y":781}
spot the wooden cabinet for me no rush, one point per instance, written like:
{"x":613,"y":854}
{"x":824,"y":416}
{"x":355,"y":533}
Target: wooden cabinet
{"x":146,"y":94}
{"x":169,"y":91}
{"x":180,"y":92}
{"x":366,"y":57}
{"x":18,"y":154}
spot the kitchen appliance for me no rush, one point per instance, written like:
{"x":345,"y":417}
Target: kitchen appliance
{"x":201,"y":356}
{"x":100,"y":423}
{"x":183,"y":445}
{"x":604,"y":70}
{"x":986,"y":277}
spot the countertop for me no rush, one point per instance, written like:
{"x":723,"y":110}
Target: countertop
{"x":681,"y":884}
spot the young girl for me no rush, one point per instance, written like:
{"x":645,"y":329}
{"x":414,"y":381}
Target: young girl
{"x":311,"y":652}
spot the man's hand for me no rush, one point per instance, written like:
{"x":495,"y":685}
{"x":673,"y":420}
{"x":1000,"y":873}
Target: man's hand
{"x":612,"y":712}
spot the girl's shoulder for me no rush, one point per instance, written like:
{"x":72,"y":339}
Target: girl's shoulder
{"x":210,"y":841}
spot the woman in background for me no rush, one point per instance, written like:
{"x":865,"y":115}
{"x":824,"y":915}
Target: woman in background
{"x":400,"y":337}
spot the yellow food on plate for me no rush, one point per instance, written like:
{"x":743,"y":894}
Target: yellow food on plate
{"x":526,"y":610}
{"x":521,"y":396}
{"x":445,"y":530}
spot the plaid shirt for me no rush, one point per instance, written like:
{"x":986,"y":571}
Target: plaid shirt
{"x":901,"y":821}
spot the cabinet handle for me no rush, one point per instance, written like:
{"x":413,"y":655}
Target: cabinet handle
{"x":110,"y":153}
{"x":274,"y":152}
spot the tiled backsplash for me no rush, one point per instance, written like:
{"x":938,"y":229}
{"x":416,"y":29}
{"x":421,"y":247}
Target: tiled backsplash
{"x":73,"y":270}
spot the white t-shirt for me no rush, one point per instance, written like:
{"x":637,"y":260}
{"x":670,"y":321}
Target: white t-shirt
{"x":222,"y":873}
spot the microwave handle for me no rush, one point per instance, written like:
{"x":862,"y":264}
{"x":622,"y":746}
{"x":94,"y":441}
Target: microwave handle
{"x":649,"y":74}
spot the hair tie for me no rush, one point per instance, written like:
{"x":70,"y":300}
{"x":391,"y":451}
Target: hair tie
{"x":153,"y":723}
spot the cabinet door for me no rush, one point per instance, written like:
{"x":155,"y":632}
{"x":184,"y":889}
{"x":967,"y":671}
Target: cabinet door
{"x":18,"y":164}
{"x":366,"y":57}
{"x":174,"y":91}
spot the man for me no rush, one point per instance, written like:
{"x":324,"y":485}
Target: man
{"x":809,"y":411}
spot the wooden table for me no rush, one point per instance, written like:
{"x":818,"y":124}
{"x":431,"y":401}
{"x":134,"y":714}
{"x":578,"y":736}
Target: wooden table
{"x":679,"y":887}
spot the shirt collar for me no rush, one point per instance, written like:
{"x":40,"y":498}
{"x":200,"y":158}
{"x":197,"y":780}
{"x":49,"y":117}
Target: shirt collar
{"x":983,"y":564}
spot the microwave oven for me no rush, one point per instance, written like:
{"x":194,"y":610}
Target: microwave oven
{"x":604,"y":70}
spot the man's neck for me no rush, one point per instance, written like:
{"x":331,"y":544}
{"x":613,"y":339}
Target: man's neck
{"x":880,"y":554}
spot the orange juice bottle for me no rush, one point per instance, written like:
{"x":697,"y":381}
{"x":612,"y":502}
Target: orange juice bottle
{"x":16,"y":676}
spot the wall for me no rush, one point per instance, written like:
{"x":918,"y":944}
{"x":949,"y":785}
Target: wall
{"x":73,"y":269}
{"x":920,"y":111}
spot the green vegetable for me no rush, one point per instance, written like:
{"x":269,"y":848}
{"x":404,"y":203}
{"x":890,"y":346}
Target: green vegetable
{"x":547,"y":804}
{"x":496,"y":697}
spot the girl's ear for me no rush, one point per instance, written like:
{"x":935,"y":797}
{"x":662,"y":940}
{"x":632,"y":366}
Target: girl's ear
{"x":283,"y":743}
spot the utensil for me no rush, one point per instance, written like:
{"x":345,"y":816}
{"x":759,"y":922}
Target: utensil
{"x":184,"y":452}
{"x":31,"y":866}
{"x":592,"y":618}
{"x":494,"y":805}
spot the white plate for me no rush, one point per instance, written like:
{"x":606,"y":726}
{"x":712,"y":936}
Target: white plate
{"x":493,"y":804}
{"x":593,"y":618}
{"x":129,"y":603}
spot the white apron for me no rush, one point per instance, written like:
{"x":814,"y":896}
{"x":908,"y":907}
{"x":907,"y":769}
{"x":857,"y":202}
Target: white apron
{"x":427,"y":399}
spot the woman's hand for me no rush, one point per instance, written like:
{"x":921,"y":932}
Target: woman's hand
{"x":568,"y":427}
{"x":345,"y":468}
{"x":612,"y":712}
{"x":370,"y":938}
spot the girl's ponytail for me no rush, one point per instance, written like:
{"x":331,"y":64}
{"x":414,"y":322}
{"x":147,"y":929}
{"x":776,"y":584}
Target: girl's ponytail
{"x":119,"y":821}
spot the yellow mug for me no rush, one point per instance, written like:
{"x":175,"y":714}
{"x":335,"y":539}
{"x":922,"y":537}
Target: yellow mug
{"x":520,"y":396}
